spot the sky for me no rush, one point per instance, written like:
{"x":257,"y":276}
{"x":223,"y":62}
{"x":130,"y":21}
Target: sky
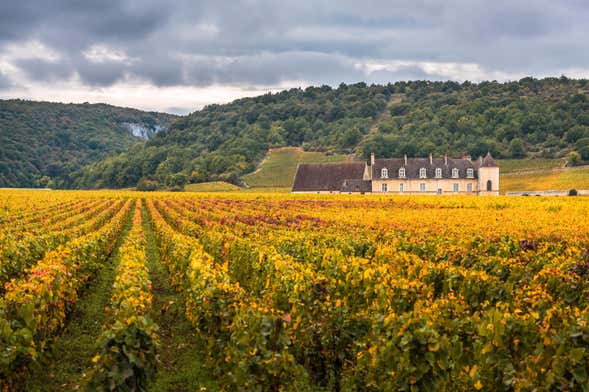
{"x":179,"y":55}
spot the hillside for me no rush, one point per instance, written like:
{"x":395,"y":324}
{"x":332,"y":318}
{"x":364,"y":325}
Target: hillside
{"x":44,"y":143}
{"x":531,"y":118}
{"x":546,"y":179}
{"x":278,"y":168}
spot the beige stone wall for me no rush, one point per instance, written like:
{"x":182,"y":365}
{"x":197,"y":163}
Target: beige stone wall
{"x":431,"y":186}
{"x":488,"y":174}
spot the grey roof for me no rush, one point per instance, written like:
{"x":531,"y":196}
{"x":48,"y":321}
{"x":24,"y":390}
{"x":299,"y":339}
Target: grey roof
{"x":315,"y":177}
{"x":414,"y":164}
{"x":361,"y":186}
{"x":488,"y":161}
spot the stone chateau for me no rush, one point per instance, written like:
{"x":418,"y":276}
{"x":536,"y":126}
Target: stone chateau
{"x":430,"y":176}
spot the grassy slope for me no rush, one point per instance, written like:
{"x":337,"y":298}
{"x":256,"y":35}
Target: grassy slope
{"x":546,"y":179}
{"x":213,"y":186}
{"x":277,"y":170}
{"x":517,"y":165}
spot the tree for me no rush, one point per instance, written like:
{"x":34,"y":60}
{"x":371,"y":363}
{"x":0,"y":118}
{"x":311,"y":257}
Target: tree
{"x":516,"y":148}
{"x":177,"y":181}
{"x":573,"y":158}
{"x":145,"y":184}
{"x":351,"y":137}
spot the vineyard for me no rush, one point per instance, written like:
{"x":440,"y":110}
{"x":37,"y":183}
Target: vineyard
{"x":271,"y":292}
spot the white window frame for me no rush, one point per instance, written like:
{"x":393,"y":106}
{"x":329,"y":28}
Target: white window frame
{"x":469,"y":187}
{"x":470,"y":173}
{"x":423,"y":172}
{"x":455,"y":173}
{"x":422,"y":187}
{"x":402,"y":172}
{"x":456,"y":187}
{"x":401,"y":188}
{"x":384,"y":173}
{"x":438,"y":172}
{"x":384,"y":188}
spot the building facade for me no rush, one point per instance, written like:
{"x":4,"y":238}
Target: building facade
{"x":433,"y":176}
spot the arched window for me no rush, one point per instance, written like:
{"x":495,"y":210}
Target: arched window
{"x":469,"y":173}
{"x":489,"y":185}
{"x":422,"y":173}
{"x":438,"y":172}
{"x":384,"y":173}
{"x":455,"y":173}
{"x":402,"y":172}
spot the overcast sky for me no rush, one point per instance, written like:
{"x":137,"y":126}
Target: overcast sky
{"x":178,"y":55}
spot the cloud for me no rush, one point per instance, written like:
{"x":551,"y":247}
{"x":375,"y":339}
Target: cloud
{"x":5,"y":82}
{"x":256,"y":45}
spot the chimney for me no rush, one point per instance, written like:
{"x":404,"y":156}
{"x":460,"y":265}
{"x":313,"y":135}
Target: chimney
{"x":371,"y":158}
{"x":467,"y":157}
{"x":446,"y":159}
{"x":431,"y":160}
{"x":405,"y":159}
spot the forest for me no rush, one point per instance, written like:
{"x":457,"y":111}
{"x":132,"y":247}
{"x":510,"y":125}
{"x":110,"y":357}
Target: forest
{"x":527,"y":118}
{"x":42,"y":143}
{"x":84,"y":146}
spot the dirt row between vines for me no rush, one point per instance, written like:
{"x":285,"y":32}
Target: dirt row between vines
{"x":70,"y":357}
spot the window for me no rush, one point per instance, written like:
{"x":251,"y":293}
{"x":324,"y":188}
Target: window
{"x":438,"y":172}
{"x":439,"y":191}
{"x":402,"y":172}
{"x":401,"y":188}
{"x":383,"y":187}
{"x":422,"y":187}
{"x":489,"y":185}
{"x":422,"y":173}
{"x":469,"y":173}
{"x":384,"y":173}
{"x":469,"y":187}
{"x":456,"y":187}
{"x":454,"y":173}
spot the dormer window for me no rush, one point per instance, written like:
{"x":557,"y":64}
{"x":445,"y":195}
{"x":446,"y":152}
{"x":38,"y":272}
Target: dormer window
{"x":422,"y":173}
{"x":470,"y":173}
{"x":384,"y":173}
{"x":454,"y":173}
{"x":402,"y":172}
{"x":438,"y":172}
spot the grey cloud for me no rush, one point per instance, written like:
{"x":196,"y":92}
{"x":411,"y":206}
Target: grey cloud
{"x":43,"y":70}
{"x":272,"y":68}
{"x":403,"y":73}
{"x":5,"y":82}
{"x":103,"y":74}
{"x":268,"y":42}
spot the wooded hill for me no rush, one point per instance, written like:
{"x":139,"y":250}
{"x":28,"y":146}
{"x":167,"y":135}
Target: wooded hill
{"x":546,"y":118}
{"x":44,"y":144}
{"x":529,"y":118}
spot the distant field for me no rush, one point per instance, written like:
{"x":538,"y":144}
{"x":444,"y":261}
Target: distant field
{"x":279,"y":167}
{"x":516,"y":165}
{"x":215,"y":186}
{"x":559,"y":179}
